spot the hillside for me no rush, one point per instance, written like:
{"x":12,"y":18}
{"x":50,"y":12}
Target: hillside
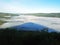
{"x":35,"y":14}
{"x":1,"y":22}
{"x":45,"y":14}
{"x":30,"y":26}
{"x":6,"y":16}
{"x":14,"y":37}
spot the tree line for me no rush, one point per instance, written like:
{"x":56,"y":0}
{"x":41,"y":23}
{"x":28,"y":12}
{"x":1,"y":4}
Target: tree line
{"x":21,"y":37}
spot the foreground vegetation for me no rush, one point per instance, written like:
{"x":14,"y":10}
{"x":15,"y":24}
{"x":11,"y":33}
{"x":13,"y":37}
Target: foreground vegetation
{"x":15,"y":37}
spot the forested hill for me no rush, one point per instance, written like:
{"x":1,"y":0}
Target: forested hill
{"x":15,"y":37}
{"x":7,"y":14}
{"x":35,"y":14}
{"x":45,"y":14}
{"x":3,"y":16}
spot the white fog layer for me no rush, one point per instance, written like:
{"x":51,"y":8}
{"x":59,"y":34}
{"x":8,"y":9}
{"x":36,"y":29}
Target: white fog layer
{"x":50,"y":22}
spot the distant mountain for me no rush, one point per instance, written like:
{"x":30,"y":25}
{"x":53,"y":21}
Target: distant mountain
{"x":32,"y":27}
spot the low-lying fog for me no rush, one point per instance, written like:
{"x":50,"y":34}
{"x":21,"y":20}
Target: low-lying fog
{"x":50,"y":22}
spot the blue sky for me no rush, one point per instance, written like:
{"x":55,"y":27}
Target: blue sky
{"x":30,"y":6}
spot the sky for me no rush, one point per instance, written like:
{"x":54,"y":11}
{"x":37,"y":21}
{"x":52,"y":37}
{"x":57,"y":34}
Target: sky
{"x":30,"y":6}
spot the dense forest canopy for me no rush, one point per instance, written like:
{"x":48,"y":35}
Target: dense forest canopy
{"x":15,"y":37}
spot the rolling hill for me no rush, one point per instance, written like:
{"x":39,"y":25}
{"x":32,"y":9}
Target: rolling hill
{"x":30,"y":26}
{"x":45,"y":14}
